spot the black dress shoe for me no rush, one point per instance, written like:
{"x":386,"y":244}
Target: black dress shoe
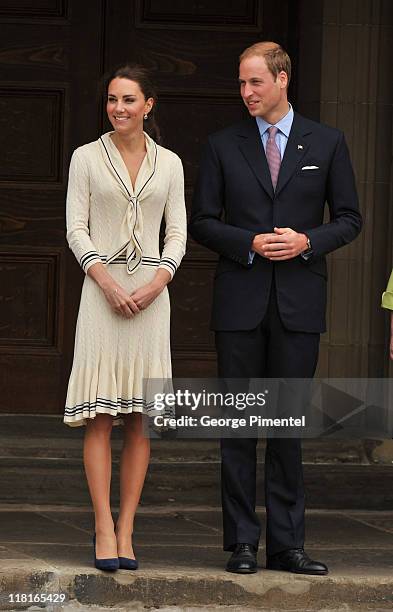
{"x":243,"y":560}
{"x":297,"y":561}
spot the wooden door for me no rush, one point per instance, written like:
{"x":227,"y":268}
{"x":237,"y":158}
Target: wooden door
{"x":52,"y":54}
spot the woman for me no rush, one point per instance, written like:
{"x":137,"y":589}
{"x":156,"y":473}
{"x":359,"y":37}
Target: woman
{"x":120,"y":186}
{"x":387,"y":302}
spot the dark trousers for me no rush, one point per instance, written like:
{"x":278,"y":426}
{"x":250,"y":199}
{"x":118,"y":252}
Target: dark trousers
{"x":269,"y":351}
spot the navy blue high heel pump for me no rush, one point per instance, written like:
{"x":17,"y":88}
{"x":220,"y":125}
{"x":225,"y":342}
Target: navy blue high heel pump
{"x":107,"y":565}
{"x":128,"y":564}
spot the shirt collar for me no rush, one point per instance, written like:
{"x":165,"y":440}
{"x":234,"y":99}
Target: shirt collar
{"x":284,"y":125}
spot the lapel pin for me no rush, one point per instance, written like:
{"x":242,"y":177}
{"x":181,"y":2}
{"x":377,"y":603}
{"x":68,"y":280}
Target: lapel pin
{"x":300,"y":147}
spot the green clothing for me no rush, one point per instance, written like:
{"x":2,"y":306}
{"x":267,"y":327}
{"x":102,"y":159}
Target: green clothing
{"x":387,"y":296}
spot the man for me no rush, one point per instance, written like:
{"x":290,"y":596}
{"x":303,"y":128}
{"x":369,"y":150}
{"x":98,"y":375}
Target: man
{"x":259,"y":203}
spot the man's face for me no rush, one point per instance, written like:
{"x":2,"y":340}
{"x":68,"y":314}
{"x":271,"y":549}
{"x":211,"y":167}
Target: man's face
{"x":261,"y":92}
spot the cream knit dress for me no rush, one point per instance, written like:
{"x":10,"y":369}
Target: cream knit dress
{"x":108,"y":221}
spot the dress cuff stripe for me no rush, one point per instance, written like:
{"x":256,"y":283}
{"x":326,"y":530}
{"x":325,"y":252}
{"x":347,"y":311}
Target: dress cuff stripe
{"x":165,"y":261}
{"x":87,"y":257}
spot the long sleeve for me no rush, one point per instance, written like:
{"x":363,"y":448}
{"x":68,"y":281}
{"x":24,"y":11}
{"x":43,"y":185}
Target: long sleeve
{"x":387,"y":296}
{"x":206,"y":224}
{"x":77,"y":213}
{"x":345,"y":218}
{"x":175,"y":221}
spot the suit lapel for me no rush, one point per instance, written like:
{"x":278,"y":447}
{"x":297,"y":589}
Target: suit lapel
{"x":250,"y":144}
{"x":296,"y":149}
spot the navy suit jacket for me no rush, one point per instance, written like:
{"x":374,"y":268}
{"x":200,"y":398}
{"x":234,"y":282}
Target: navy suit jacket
{"x":234,"y":200}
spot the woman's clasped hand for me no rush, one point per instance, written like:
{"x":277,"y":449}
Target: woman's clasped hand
{"x":127,"y":305}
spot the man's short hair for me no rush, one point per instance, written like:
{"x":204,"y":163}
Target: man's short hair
{"x":276,"y":58}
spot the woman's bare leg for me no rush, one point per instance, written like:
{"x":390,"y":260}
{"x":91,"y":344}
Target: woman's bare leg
{"x":133,"y":466}
{"x":97,"y":456}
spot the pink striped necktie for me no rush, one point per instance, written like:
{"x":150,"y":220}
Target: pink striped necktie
{"x":273,"y":155}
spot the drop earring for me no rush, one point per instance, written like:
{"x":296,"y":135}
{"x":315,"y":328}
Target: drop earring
{"x":145,"y":116}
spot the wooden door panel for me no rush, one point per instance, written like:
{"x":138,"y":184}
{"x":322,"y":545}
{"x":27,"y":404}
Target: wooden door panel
{"x":196,"y":15}
{"x":30,"y":319}
{"x":32,"y":134}
{"x":34,"y":10}
{"x":194,"y":115}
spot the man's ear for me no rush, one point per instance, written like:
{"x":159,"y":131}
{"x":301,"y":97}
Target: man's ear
{"x":283,"y":78}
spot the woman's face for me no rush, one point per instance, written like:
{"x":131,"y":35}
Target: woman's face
{"x":126,"y":105}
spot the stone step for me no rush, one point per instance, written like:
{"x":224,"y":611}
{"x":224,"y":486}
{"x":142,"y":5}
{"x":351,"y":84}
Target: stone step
{"x":182,"y":564}
{"x":157,"y":589}
{"x":62,"y":481}
{"x":41,"y":461}
{"x":28,"y":436}
{"x":314,"y":451}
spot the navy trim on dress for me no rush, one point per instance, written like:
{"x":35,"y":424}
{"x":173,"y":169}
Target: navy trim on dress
{"x":122,"y":259}
{"x":134,"y":201}
{"x":106,"y":403}
{"x":88,"y":257}
{"x":169,"y":262}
